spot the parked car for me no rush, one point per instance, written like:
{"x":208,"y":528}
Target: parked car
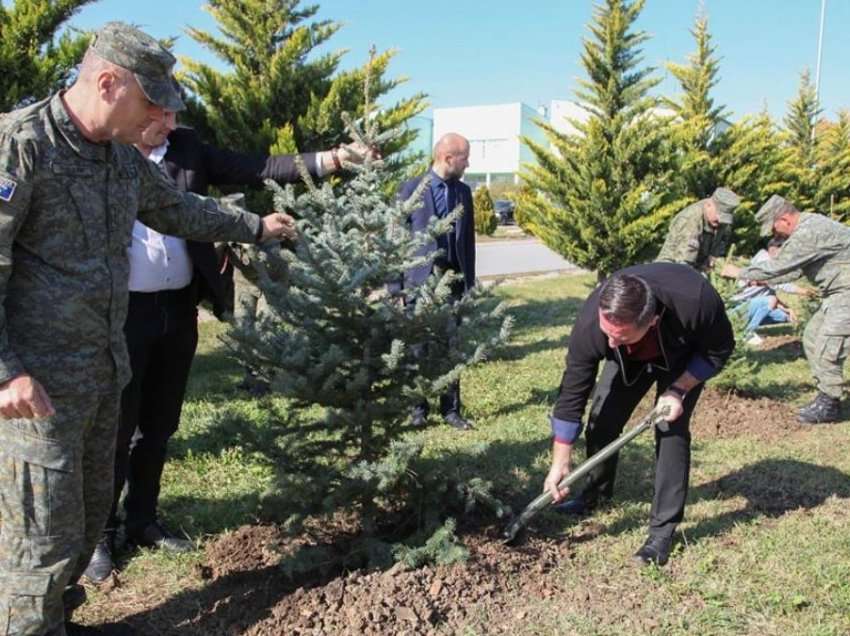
{"x":504,"y":210}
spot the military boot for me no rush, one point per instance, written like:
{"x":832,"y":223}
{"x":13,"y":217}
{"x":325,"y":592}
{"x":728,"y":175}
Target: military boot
{"x":102,"y":563}
{"x":822,"y":409}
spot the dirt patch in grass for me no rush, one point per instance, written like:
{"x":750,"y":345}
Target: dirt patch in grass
{"x":722,"y":415}
{"x":786,"y":342}
{"x":247,"y":592}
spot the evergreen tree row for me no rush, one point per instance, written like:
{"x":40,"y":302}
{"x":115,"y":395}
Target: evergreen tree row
{"x":603,"y":195}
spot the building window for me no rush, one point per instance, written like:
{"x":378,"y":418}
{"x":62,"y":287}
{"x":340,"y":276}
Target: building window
{"x":473,"y":180}
{"x":501,"y":177}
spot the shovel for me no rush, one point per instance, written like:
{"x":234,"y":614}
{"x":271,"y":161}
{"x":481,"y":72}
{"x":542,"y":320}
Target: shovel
{"x":655,"y":418}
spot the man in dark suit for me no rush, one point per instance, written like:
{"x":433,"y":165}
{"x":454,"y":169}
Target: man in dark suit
{"x":168,"y":278}
{"x":457,"y":247}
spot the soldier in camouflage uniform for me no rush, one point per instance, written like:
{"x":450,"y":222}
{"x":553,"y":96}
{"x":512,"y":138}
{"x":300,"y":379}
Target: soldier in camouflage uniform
{"x":819,"y":249}
{"x":701,"y":232}
{"x":70,"y":190}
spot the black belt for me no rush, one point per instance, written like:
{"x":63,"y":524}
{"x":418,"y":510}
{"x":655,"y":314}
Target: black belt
{"x":163,"y":297}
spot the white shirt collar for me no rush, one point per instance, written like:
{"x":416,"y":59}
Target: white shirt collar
{"x":158,"y":153}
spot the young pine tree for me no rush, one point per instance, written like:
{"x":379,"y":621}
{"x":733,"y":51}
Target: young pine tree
{"x":485,"y":216}
{"x":800,"y":122}
{"x":603,"y":193}
{"x":277,"y":95}
{"x":33,"y":61}
{"x":334,"y":337}
{"x":698,"y":119}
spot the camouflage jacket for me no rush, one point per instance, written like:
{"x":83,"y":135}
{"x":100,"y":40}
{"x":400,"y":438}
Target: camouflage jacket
{"x":67,"y":208}
{"x":819,"y":249}
{"x":692,"y":241}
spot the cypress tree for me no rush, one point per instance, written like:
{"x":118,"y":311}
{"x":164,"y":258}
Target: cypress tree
{"x":277,"y":95}
{"x":800,"y":122}
{"x":756,"y":164}
{"x":603,"y":193}
{"x":698,"y":118}
{"x":33,"y":61}
{"x":485,"y":216}
{"x":833,"y":168}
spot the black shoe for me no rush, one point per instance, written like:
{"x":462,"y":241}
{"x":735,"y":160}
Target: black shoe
{"x":655,"y":550}
{"x":101,"y":564}
{"x":582,"y":504}
{"x":108,"y":629}
{"x":75,"y":629}
{"x":456,"y":421}
{"x":419,"y":417}
{"x":822,"y":409}
{"x":73,"y":597}
{"x":155,"y":535}
{"x":579,"y":506}
{"x":253,"y":384}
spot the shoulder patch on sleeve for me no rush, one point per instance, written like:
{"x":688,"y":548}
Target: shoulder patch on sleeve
{"x":7,"y":189}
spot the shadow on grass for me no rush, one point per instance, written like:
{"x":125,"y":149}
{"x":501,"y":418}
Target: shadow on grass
{"x":772,"y":487}
{"x":533,"y":315}
{"x":230,"y":604}
{"x":537,"y":396}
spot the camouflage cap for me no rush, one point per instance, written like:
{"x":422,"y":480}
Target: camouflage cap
{"x":771,"y":209}
{"x":726,"y":201}
{"x":142,"y":55}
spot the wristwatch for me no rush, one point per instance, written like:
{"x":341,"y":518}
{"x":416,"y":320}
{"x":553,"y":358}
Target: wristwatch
{"x":677,"y":390}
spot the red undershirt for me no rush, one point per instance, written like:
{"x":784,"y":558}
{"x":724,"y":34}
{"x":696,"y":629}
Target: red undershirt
{"x":645,"y":349}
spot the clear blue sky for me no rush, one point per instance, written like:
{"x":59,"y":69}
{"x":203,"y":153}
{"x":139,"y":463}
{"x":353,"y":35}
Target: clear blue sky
{"x":466,"y":52}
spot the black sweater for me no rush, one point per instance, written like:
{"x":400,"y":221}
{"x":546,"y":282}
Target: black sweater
{"x":194,"y":166}
{"x":695,"y":335}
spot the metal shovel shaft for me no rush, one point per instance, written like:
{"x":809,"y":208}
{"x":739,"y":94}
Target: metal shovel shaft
{"x":589,"y":464}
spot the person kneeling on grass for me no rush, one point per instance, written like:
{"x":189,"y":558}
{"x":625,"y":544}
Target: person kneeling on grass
{"x":658,"y":324}
{"x":760,"y":302}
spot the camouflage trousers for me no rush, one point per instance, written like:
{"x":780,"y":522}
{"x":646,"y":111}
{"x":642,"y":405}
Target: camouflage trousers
{"x":827,"y":347}
{"x":55,"y":492}
{"x":249,"y":304}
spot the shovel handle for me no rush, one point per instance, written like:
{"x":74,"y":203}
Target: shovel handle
{"x":589,"y":464}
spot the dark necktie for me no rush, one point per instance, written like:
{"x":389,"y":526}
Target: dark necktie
{"x":441,"y":204}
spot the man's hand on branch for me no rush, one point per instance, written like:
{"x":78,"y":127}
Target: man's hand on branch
{"x":24,"y":397}
{"x":355,"y":152}
{"x":278,"y":226}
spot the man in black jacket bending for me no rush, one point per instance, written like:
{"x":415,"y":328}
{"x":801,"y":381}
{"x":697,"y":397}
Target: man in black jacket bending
{"x":168,"y":278}
{"x":662,"y":324}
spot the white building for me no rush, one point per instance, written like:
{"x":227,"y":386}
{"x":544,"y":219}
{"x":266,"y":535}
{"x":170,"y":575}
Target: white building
{"x":494,"y":132}
{"x":561,"y":111}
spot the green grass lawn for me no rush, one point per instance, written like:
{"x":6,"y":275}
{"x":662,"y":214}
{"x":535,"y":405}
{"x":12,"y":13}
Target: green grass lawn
{"x":765,"y":548}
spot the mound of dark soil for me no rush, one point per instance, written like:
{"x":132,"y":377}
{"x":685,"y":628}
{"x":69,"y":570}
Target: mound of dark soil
{"x":720,"y":415}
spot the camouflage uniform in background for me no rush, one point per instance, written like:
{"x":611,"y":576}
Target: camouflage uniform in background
{"x":67,"y":207}
{"x":819,"y":250}
{"x":692,"y":241}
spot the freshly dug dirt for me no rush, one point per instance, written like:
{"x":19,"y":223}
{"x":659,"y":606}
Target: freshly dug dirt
{"x":247,"y":593}
{"x":720,"y":415}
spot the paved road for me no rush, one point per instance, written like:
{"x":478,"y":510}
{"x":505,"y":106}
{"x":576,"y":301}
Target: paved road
{"x":518,"y":256}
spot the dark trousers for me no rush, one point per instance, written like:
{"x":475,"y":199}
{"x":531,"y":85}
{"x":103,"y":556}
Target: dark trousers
{"x":162,"y":334}
{"x":450,"y":400}
{"x":612,"y":404}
